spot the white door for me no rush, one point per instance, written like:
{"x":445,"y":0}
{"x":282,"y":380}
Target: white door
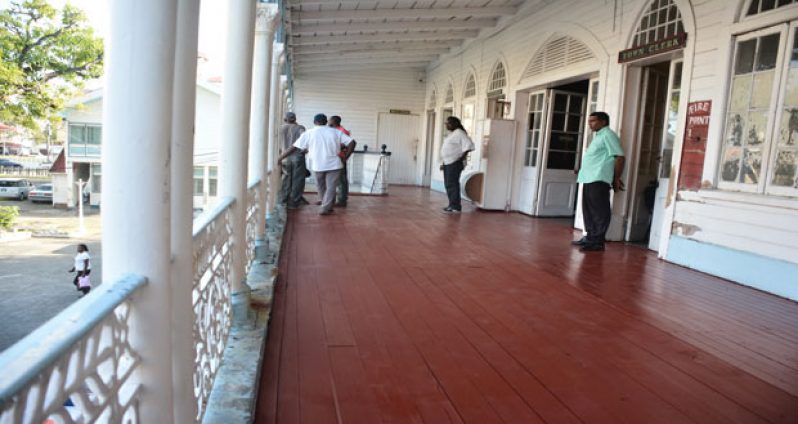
{"x":649,"y":138}
{"x":400,"y":134}
{"x":557,"y":192}
{"x":666,"y":152}
{"x":536,"y":114}
{"x":592,"y":106}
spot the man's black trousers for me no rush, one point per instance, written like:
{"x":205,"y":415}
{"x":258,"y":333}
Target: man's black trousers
{"x":596,"y":210}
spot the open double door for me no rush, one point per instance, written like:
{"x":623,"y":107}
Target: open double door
{"x":555,"y":133}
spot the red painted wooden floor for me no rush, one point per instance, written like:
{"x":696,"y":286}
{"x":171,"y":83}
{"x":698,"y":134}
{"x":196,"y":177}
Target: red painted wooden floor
{"x":393,"y":312}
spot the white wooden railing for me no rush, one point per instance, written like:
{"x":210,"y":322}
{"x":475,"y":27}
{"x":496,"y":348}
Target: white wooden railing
{"x":79,"y":366}
{"x":211,"y":296}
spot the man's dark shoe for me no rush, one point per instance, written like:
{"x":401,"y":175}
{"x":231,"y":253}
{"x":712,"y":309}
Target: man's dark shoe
{"x":592,"y":248}
{"x":340,"y":205}
{"x":329,"y":212}
{"x":581,"y":242}
{"x":318,"y":202}
{"x":303,"y":201}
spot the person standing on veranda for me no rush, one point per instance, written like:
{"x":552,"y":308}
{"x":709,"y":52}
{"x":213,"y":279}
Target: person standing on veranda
{"x":343,"y":184}
{"x":294,"y":170}
{"x":323,"y":145}
{"x":454,"y":152}
{"x":600,"y":171}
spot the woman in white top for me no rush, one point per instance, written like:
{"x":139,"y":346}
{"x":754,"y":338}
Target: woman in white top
{"x":454,"y":152}
{"x":82,"y":267}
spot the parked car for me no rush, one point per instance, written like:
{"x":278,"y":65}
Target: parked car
{"x":5,"y":163}
{"x":15,"y":188}
{"x":41,"y":193}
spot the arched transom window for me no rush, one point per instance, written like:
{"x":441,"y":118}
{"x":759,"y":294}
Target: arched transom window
{"x":470,"y":87}
{"x":449,"y":98}
{"x":662,"y":20}
{"x":759,"y":6}
{"x":498,"y":80}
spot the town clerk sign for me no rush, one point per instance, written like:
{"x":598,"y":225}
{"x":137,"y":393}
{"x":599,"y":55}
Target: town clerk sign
{"x":652,"y":49}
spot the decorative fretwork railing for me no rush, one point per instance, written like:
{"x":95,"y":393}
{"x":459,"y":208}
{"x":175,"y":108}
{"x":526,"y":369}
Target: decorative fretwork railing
{"x":211,"y":296}
{"x":79,"y":366}
{"x":253,"y":210}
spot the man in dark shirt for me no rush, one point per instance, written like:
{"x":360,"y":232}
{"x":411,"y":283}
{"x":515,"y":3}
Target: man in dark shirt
{"x":294,"y":168}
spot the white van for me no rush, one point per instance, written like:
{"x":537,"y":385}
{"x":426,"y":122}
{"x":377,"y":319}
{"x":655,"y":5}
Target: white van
{"x":15,"y":188}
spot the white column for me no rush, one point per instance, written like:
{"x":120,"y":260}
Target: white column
{"x":137,"y":118}
{"x":261,"y":92}
{"x":182,"y":207}
{"x":236,"y":92}
{"x":275,"y":117}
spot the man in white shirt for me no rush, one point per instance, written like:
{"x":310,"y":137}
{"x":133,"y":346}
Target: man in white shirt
{"x":454,"y":151}
{"x":323,"y":145}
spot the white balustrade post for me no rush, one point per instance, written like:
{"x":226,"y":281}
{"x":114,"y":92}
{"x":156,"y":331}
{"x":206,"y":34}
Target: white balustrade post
{"x":261,"y":96}
{"x":182,"y":209}
{"x":137,"y":118}
{"x":275,"y":117}
{"x":236,"y":95}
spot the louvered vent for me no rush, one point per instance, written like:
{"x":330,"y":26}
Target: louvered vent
{"x":470,"y":87}
{"x":559,"y":52}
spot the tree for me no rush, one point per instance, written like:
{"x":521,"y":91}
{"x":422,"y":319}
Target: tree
{"x":47,"y":55}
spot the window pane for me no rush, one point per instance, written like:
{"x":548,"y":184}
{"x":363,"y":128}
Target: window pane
{"x":576,"y":104}
{"x":751,"y":166}
{"x":741,"y":93}
{"x":745,"y":57}
{"x":199,"y":172}
{"x":735,"y":130}
{"x":212,"y":171}
{"x":754,"y":8}
{"x":730,"y":167}
{"x":212,"y":187}
{"x":198,"y":186}
{"x":762,"y":90}
{"x":757,"y":124}
{"x":768,"y":5}
{"x":560,"y":102}
{"x":677,"y":76}
{"x":786,"y":169}
{"x":574,"y":123}
{"x":561,"y":160}
{"x":558,"y":121}
{"x":768,"y":52}
{"x":77,"y":134}
{"x":560,"y":141}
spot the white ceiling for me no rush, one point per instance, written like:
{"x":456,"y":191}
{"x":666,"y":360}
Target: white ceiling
{"x":326,"y":35}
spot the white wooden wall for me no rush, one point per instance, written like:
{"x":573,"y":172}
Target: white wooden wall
{"x":358,"y":97}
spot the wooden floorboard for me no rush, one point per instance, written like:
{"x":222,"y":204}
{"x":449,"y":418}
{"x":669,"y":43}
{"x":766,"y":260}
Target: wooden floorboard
{"x":390,"y":311}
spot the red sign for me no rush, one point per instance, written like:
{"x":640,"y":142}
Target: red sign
{"x":695,"y":145}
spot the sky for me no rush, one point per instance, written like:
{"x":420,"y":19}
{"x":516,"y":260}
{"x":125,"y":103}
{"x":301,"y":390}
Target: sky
{"x":213,"y":22}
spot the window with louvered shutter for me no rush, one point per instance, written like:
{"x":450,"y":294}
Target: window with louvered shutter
{"x":559,"y":52}
{"x":498,"y":80}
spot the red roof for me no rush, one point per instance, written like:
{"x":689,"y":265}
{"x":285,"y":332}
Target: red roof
{"x":59,"y":166}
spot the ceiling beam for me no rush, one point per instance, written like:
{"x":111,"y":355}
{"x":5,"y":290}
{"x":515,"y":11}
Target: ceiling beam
{"x":356,"y":65}
{"x":392,"y":26}
{"x":366,"y":56}
{"x":394,"y":36}
{"x":401,"y":46}
{"x":458,"y":12}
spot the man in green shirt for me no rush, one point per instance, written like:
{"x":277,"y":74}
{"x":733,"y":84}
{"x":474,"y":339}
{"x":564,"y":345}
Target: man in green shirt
{"x":602,"y":166}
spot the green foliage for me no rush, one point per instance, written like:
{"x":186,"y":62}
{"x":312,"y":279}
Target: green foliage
{"x":8,"y":214}
{"x":47,"y":54}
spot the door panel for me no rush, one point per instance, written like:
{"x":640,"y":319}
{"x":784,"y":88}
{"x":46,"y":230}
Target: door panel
{"x":429,"y":151}
{"x":563,"y":140}
{"x":535,"y":126}
{"x":592,"y":106}
{"x":400,"y":134}
{"x":652,"y":122}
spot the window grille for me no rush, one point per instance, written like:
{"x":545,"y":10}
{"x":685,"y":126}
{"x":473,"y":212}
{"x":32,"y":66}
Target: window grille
{"x":758,"y":6}
{"x":662,"y":20}
{"x":498,"y":80}
{"x":470,"y":87}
